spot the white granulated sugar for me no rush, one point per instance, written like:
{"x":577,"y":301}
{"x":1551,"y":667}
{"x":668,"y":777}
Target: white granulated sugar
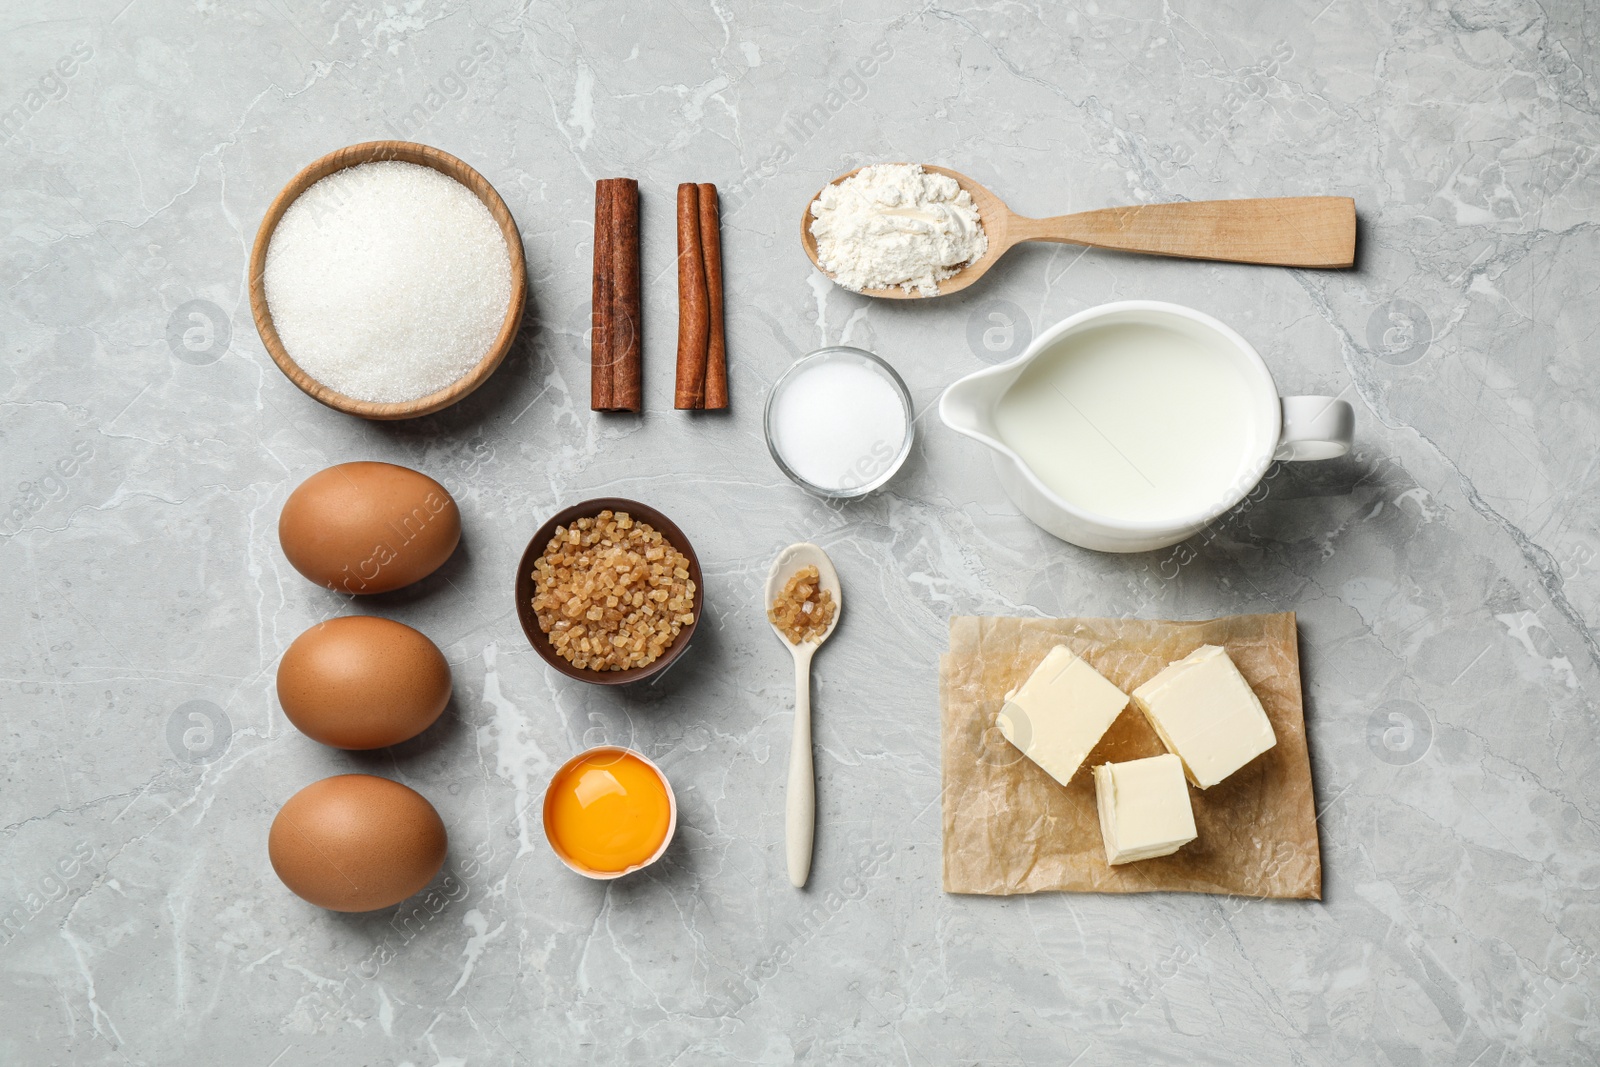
{"x":388,"y":281}
{"x":838,"y":423}
{"x":896,"y":224}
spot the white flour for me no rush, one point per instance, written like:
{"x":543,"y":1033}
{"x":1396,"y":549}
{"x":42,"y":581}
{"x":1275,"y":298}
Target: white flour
{"x":895,"y":224}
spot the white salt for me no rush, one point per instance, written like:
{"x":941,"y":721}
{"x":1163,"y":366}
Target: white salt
{"x":388,"y":281}
{"x":838,"y":422}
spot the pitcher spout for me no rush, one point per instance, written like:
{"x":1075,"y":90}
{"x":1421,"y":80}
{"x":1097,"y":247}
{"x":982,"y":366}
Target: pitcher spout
{"x":968,"y":405}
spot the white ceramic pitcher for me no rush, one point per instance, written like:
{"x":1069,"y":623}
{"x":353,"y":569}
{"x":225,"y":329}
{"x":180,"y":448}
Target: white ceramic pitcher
{"x":1284,"y":428}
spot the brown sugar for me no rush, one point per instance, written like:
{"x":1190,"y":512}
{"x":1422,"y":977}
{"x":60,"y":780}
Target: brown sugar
{"x":803,"y":610}
{"x":611,"y":593}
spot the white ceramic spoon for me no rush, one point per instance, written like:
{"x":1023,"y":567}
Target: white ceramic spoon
{"x":800,"y":805}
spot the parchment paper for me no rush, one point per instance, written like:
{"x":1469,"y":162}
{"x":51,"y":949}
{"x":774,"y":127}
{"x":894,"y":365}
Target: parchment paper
{"x":1010,"y":828}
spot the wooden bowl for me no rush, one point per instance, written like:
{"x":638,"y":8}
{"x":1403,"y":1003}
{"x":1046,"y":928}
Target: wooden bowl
{"x":524,"y":590}
{"x":405,"y":152}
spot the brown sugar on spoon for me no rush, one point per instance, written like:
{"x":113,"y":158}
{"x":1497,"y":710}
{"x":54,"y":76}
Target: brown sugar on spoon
{"x":702,"y":381}
{"x":802,"y":609}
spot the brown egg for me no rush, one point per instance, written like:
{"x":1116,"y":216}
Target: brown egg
{"x":363,"y":682}
{"x":356,"y":842}
{"x":368,"y":527}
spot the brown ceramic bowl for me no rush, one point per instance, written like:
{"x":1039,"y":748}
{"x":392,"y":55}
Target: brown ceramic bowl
{"x":450,"y":167}
{"x":524,"y":592}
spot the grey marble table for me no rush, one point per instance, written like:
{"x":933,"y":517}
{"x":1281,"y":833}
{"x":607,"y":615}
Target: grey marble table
{"x":1445,"y":573}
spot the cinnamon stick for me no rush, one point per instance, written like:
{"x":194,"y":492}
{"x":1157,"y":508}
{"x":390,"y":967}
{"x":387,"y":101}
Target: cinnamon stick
{"x":601,"y":375}
{"x":716,"y":390}
{"x":616,"y":340}
{"x":694,"y":312}
{"x":626,"y":339}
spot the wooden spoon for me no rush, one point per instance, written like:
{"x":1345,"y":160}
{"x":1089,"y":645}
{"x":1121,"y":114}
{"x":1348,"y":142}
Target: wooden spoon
{"x":800,"y":800}
{"x":1297,"y":231}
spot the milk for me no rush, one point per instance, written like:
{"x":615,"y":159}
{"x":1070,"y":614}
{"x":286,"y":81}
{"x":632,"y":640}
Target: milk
{"x":1133,"y":421}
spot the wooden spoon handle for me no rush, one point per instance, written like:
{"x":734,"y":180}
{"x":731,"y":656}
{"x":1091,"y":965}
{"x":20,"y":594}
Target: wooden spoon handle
{"x":1300,"y":231}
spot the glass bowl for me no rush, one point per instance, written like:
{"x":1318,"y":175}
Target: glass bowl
{"x":874,"y":469}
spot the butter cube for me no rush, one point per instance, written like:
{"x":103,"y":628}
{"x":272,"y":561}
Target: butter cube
{"x":1144,"y":808}
{"x":1206,"y":714}
{"x":1060,"y":713}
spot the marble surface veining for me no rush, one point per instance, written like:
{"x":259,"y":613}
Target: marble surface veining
{"x":1445,"y":572}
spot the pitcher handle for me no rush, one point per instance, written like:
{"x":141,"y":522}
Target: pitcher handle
{"x":1315,"y":427}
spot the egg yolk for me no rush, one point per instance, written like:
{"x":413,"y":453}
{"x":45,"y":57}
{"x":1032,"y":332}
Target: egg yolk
{"x":608,"y":812}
